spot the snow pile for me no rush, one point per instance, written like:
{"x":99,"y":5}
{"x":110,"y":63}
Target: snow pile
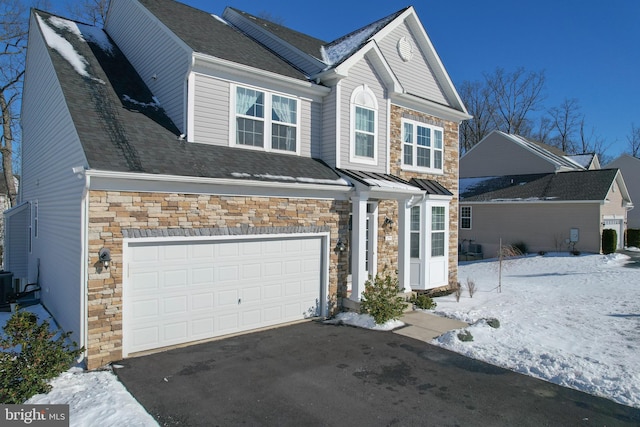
{"x":364,"y":321}
{"x":569,"y":320}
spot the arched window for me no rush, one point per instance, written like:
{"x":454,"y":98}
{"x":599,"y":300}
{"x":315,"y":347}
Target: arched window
{"x":364,"y":125}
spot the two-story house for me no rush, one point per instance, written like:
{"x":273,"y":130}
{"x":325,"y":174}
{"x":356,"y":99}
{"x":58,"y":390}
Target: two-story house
{"x":518,"y":191}
{"x":188,"y":175}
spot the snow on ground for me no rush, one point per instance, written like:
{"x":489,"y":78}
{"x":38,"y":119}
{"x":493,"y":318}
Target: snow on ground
{"x":573,"y":321}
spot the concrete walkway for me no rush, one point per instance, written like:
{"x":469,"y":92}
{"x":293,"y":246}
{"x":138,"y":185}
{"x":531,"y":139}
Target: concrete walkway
{"x":425,"y":326}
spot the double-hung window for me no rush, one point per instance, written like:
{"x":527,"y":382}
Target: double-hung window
{"x":364,"y":118}
{"x":262,"y":116}
{"x":437,"y":230}
{"x":465,"y":217}
{"x":422,"y":146}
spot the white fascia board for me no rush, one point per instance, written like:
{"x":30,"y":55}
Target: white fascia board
{"x":619,"y":179}
{"x":151,"y":183}
{"x":433,"y":108}
{"x":530,"y":202}
{"x":207,"y":62}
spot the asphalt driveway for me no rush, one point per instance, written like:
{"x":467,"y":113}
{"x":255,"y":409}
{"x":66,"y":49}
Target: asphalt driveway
{"x":312,"y":374}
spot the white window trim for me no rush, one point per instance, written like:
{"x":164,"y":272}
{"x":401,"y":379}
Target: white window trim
{"x":352,"y":126}
{"x":413,"y":167}
{"x":470,"y":218}
{"x":266,"y":120}
{"x":444,"y":231}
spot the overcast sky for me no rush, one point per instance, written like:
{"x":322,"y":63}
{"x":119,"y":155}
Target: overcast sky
{"x":588,"y":49}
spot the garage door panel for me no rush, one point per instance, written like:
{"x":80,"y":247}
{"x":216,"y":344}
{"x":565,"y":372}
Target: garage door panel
{"x":202,"y":276}
{"x":176,"y":293}
{"x":174,"y":253}
{"x":144,"y":309}
{"x":203,"y":301}
{"x":175,"y":278}
{"x":228,"y":298}
{"x":250,"y":271}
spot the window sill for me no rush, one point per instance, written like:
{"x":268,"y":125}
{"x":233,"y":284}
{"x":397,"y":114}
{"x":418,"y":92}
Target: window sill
{"x":422,"y":170}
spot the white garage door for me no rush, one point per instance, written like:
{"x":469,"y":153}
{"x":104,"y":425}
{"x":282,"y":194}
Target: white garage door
{"x":177,"y":292}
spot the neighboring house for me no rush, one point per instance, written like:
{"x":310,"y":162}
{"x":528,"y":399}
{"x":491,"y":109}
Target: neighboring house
{"x":515,"y":190}
{"x":187,"y":176}
{"x":5,"y":203}
{"x":630,"y":168}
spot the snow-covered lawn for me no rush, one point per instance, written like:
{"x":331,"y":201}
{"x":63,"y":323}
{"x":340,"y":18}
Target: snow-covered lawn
{"x":574,"y":321}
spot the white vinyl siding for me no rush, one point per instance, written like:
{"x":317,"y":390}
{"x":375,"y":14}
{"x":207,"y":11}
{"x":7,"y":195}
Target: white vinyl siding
{"x":48,"y":127}
{"x":211,"y":111}
{"x":150,"y":46}
{"x":415,"y":76}
{"x":363,"y":74}
{"x":329,"y":131}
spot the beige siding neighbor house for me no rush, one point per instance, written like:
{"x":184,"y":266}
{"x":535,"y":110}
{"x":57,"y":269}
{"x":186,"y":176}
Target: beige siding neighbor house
{"x":630,"y":168}
{"x":230,"y":174}
{"x":537,"y":196}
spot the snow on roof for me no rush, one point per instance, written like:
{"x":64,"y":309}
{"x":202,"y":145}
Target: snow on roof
{"x":339,"y":181}
{"x":65,"y":48}
{"x":334,"y":54}
{"x":220,"y":19}
{"x":468,"y":184}
{"x":383,"y":183}
{"x":154,"y":104}
{"x":583,"y":160}
{"x":336,"y":51}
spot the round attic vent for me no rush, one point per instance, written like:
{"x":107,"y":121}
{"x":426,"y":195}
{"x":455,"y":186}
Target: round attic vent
{"x":405,"y":49}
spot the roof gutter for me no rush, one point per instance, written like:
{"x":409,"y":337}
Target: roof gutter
{"x":247,"y":183}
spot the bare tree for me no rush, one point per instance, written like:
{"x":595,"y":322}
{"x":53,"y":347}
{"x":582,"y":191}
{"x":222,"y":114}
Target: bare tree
{"x":634,"y":141}
{"x":542,"y":133}
{"x":514,"y":96}
{"x":593,"y":143}
{"x":13,"y":36}
{"x":476,"y":99}
{"x":566,"y":120}
{"x":92,"y":12}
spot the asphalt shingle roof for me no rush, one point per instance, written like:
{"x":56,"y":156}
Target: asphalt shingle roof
{"x":307,"y":44}
{"x":564,"y":186}
{"x":122,"y":130}
{"x":205,"y":34}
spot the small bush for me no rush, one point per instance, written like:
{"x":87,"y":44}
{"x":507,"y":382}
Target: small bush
{"x":471,"y":287}
{"x":633,"y":237}
{"x":30,"y":357}
{"x":493,"y":322}
{"x":380,"y":299}
{"x":423,"y":301}
{"x":609,"y":241}
{"x":457,"y":291}
{"x":521,"y":247}
{"x":465,"y":336}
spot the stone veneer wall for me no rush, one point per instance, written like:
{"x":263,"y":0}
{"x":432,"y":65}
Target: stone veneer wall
{"x":113,"y":215}
{"x":450,"y":168}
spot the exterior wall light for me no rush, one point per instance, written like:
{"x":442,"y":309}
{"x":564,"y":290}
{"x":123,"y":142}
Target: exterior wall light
{"x":340,"y":246}
{"x":104,"y":256}
{"x":388,"y":221}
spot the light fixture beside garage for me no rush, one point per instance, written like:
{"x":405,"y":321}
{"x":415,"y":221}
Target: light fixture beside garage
{"x":104,"y":255}
{"x":340,"y":246}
